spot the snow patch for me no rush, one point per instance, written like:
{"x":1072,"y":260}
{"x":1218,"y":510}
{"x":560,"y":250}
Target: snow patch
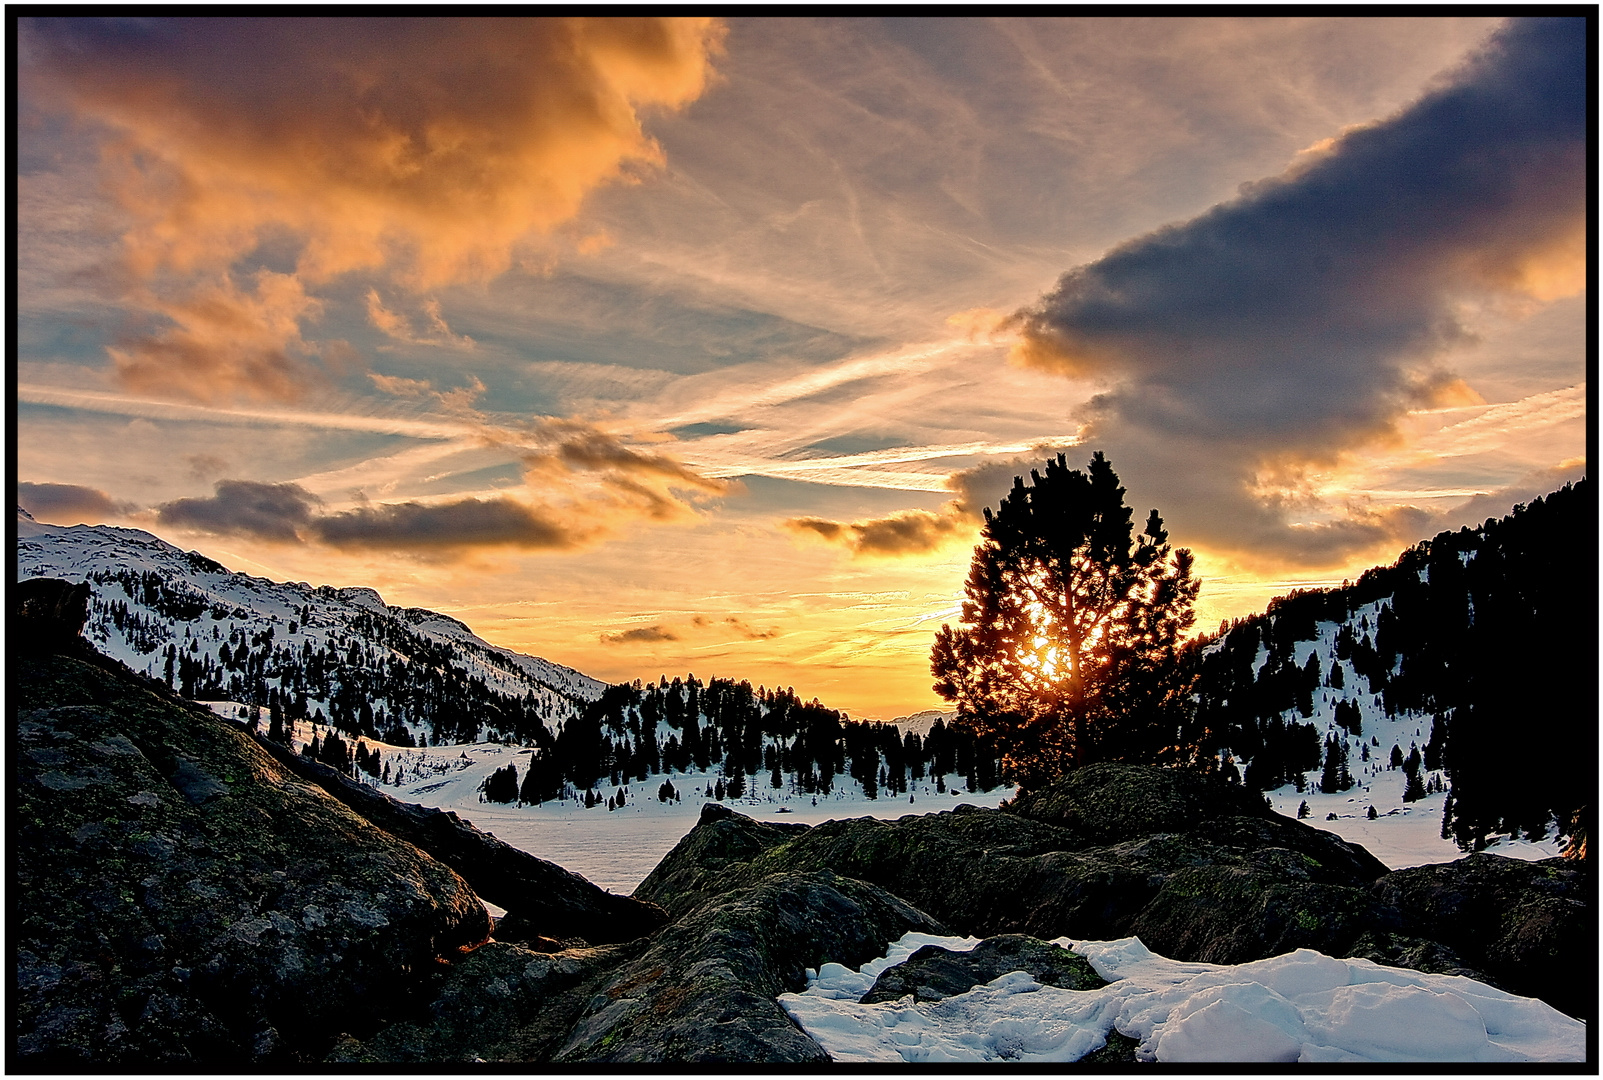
{"x":1300,"y":1007}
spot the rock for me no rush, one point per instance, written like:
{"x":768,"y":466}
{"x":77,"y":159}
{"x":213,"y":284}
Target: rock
{"x":979,"y":872}
{"x":692,"y":872}
{"x":1111,"y":803}
{"x":179,"y":901}
{"x":704,"y":991}
{"x":547,"y":900}
{"x":1523,"y":923}
{"x":933,"y":973}
{"x":1118,"y":1050}
{"x":500,"y":1003}
{"x":1199,"y":871}
{"x":50,"y":615}
{"x":1421,"y":954}
{"x":1232,"y":914}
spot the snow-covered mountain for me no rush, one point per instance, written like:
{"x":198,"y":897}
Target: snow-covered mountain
{"x":179,"y":616}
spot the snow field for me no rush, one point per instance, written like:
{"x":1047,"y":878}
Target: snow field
{"x":1300,"y":1007}
{"x":617,"y":849}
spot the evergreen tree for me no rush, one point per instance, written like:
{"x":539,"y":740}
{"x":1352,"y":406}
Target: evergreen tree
{"x":1071,"y":628}
{"x":502,"y":785}
{"x":1335,"y":775}
{"x":1413,"y":788}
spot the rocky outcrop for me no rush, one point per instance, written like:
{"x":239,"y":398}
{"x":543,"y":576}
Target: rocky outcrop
{"x":933,"y":973}
{"x":1200,"y":871}
{"x":694,"y":873}
{"x":701,"y":991}
{"x":50,"y":616}
{"x":704,"y":992}
{"x":1525,"y":924}
{"x":543,"y":900}
{"x":179,"y":899}
{"x":500,"y":1003}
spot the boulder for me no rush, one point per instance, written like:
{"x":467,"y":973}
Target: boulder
{"x":1233,"y":913}
{"x":1523,"y":923}
{"x":704,"y":991}
{"x":1111,"y":803}
{"x":692,"y":872}
{"x":544,"y":900}
{"x":985,"y":872}
{"x":1199,"y":870}
{"x":179,"y":900}
{"x":50,"y":616}
{"x":933,"y":973}
{"x":500,"y":1003}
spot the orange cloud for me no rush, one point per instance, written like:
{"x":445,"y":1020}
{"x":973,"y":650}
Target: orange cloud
{"x":223,"y":341}
{"x":422,"y":150}
{"x":908,"y":532}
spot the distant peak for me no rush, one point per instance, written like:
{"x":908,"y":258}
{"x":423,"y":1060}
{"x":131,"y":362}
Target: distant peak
{"x":362,"y":596}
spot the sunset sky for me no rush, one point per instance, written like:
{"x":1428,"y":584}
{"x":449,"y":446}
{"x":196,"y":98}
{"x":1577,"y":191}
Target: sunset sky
{"x":665,"y":346}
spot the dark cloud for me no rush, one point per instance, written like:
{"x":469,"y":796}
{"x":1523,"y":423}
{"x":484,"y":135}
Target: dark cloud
{"x":640,"y":634}
{"x":67,"y":504}
{"x":1298,"y":322}
{"x":699,"y":625}
{"x":285,"y":513}
{"x":275,"y":512}
{"x":466,"y":523}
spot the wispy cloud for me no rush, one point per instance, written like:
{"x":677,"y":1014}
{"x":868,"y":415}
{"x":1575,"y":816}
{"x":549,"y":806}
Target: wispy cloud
{"x":915,"y":532}
{"x":698,"y":627}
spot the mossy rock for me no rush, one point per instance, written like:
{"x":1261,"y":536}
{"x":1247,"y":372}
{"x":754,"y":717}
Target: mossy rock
{"x":704,"y":991}
{"x":179,"y":901}
{"x":933,"y":973}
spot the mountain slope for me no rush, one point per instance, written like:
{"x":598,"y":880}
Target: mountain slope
{"x":211,"y":633}
{"x":1474,"y":656}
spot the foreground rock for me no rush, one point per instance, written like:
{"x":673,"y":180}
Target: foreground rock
{"x":178,"y":899}
{"x":543,"y":900}
{"x":1223,"y":881}
{"x":501,"y":1003}
{"x":702,"y":991}
{"x":1198,"y":870}
{"x":1527,"y":925}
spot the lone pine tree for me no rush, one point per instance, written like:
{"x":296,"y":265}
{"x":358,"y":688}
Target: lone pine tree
{"x":1068,"y":648}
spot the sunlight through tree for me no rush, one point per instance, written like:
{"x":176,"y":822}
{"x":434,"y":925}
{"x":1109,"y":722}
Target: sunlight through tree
{"x":1069,"y":642}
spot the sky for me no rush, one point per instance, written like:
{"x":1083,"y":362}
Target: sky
{"x":655,"y":346}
